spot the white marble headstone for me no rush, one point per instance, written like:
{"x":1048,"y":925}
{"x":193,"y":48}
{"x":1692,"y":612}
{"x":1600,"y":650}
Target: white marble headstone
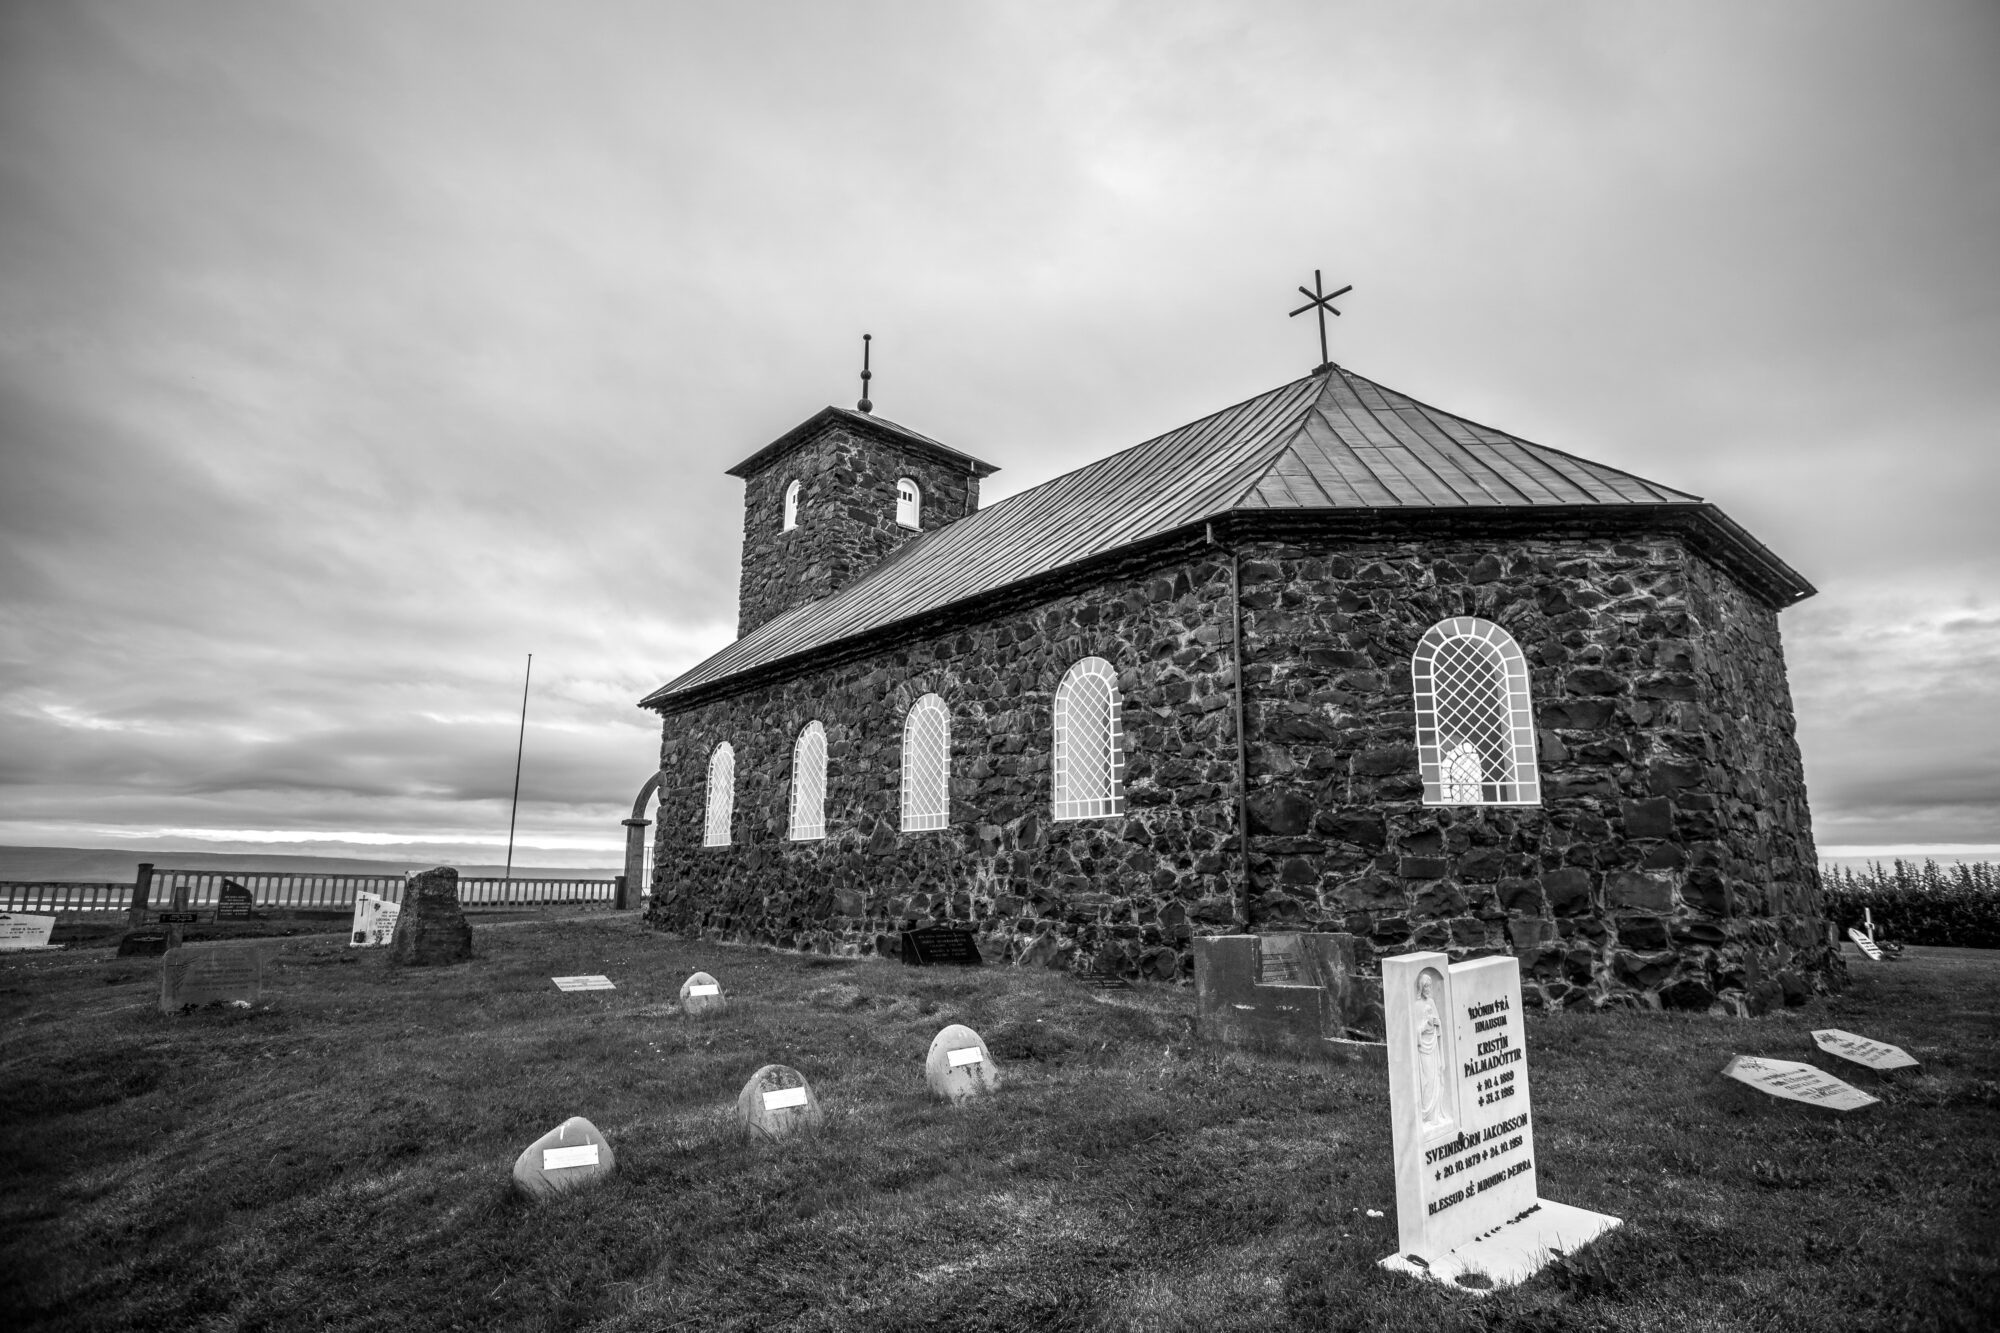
{"x":20,"y":931}
{"x":702,"y":994}
{"x":374,"y":920}
{"x":583,"y":983}
{"x":1795,"y":1082}
{"x":959,"y":1066}
{"x":777,"y":1102}
{"x":1463,"y":1125}
{"x":1867,"y":943}
{"x":571,"y":1154}
{"x":1877,"y":1055}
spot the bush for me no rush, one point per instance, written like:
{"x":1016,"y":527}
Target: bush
{"x":1928,"y":905}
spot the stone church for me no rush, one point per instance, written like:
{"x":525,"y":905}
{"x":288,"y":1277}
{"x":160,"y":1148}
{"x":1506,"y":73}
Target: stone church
{"x":1331,"y":659}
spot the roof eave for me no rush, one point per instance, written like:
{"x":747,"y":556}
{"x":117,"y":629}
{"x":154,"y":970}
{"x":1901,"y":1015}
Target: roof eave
{"x":886,"y":431}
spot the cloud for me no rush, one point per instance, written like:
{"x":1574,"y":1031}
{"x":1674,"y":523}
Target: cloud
{"x":349,"y":354}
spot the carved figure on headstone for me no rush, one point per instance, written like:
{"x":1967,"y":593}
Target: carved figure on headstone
{"x":430,"y":925}
{"x":1430,"y":1053}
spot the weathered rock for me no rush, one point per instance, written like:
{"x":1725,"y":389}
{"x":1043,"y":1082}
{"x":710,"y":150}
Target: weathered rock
{"x":572,"y":1154}
{"x":959,"y":1066}
{"x":776,"y":1103}
{"x":430,"y":926}
{"x":702,"y":994}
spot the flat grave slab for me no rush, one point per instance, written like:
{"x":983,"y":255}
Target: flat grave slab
{"x":20,"y":930}
{"x":959,"y":1067}
{"x":1877,"y":1055}
{"x":1463,"y":1128}
{"x":583,"y":983}
{"x":1790,"y":1081}
{"x":573,"y":1153}
{"x":702,"y":994}
{"x":202,"y":974}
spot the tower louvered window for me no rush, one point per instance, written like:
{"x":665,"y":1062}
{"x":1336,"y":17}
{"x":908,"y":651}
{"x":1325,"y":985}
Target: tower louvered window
{"x":926,"y":765}
{"x":721,"y":796}
{"x":791,"y":506}
{"x":1089,"y":743}
{"x":1475,"y":723}
{"x":909,"y":503}
{"x":809,"y":784}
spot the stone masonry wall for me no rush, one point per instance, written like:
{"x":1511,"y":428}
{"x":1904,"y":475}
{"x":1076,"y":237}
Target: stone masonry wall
{"x":847,"y":517}
{"x":1122,"y":892}
{"x":1671,"y":859}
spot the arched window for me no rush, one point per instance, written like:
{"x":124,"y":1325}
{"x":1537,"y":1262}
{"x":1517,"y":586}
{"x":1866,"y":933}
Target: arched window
{"x":1089,"y":749}
{"x":721,"y":796}
{"x":909,"y":503}
{"x":809,"y":784}
{"x":791,"y":506}
{"x":926,"y":765}
{"x":1475,"y":726}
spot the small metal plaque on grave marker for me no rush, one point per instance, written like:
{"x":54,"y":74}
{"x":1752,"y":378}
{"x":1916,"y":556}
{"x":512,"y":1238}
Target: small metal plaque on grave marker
{"x":179,"y":918}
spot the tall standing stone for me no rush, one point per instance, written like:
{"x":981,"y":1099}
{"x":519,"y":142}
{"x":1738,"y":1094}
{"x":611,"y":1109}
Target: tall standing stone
{"x":431,"y":927}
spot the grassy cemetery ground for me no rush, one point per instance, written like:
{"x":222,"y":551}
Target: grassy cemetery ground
{"x":339,"y":1157}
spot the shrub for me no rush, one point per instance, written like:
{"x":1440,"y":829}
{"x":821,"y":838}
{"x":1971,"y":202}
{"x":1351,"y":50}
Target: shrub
{"x":1919,"y":905}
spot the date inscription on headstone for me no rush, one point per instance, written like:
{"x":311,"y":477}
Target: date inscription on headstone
{"x":1877,"y":1055}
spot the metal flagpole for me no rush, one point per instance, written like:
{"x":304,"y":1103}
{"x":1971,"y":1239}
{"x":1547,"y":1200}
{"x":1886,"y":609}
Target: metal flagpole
{"x":519,"y":745}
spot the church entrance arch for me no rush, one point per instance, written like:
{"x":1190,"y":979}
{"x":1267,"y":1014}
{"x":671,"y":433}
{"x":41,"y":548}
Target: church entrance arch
{"x":632,"y":884}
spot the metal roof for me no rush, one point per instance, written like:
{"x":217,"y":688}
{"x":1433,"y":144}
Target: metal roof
{"x":1330,"y":441}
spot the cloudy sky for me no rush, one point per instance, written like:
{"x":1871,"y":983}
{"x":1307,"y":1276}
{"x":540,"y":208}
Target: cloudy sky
{"x":350,"y":352}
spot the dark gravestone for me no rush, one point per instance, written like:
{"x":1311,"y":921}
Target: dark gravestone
{"x":940,"y":944}
{"x":236,"y":902}
{"x":431,"y":927}
{"x":142,"y":944}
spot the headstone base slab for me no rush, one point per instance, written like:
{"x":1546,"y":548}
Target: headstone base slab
{"x":1513,"y":1253}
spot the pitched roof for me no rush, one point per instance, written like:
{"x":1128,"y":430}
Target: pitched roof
{"x":868,"y":424}
{"x":1328,"y":442}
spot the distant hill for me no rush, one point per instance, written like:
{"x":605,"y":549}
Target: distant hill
{"x":106,"y":865}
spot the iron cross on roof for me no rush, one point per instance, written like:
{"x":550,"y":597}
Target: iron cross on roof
{"x":1323,"y":302}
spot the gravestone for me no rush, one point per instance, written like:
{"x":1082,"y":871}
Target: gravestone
{"x":1290,"y":993}
{"x":22,"y":931}
{"x":142,"y":944}
{"x":583,"y":983}
{"x":431,"y":927}
{"x":702,"y":994}
{"x":959,"y":1066}
{"x":1794,"y":1082}
{"x":201,"y":974}
{"x":573,"y":1153}
{"x":235,"y":903}
{"x":777,"y":1102}
{"x":940,"y":944}
{"x":1867,"y":943}
{"x":1462,"y":1126}
{"x":374,"y":921}
{"x":1877,"y":1055}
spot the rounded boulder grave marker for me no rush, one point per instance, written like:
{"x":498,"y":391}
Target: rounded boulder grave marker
{"x":776,"y":1102}
{"x":701,"y":994}
{"x":959,"y":1066}
{"x":572,"y":1154}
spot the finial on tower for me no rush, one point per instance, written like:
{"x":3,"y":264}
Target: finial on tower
{"x":1324,"y":303}
{"x":866,"y":375}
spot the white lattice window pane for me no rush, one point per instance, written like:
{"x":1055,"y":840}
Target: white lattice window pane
{"x":809,"y":784}
{"x":926,"y":765}
{"x":1475,"y":728}
{"x":1089,"y":751}
{"x":721,"y":796}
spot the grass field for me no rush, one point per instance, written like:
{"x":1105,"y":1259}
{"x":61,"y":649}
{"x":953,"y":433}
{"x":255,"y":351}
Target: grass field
{"x":338,"y":1158}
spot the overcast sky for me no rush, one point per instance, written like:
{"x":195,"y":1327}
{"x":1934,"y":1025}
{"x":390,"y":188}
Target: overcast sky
{"x":350,"y":352}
